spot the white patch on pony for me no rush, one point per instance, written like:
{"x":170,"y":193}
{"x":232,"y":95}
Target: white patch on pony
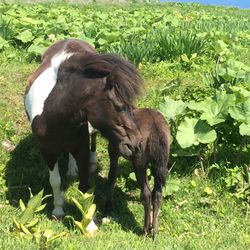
{"x":43,"y":85}
{"x":92,"y":130}
{"x":55,"y":182}
{"x":72,"y":167}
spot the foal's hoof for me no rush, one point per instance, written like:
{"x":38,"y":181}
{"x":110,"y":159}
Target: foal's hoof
{"x":58,"y":213}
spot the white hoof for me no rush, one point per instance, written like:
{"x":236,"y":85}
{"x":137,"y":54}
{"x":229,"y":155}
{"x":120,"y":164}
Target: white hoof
{"x":58,"y":212}
{"x":91,"y":228}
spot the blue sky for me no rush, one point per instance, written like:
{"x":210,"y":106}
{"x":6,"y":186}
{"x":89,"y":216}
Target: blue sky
{"x":236,"y":3}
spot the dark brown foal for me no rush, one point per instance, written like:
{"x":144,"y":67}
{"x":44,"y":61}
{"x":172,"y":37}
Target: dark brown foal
{"x":154,"y":150}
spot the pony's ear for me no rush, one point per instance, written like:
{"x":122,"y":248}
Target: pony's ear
{"x":112,"y":77}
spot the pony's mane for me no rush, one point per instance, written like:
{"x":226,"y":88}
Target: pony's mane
{"x":127,"y":81}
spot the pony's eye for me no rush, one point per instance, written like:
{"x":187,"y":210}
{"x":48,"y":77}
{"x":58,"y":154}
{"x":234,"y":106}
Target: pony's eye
{"x":121,"y":108}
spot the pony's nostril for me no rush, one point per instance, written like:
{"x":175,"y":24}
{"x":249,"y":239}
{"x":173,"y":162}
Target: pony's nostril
{"x":129,"y":146}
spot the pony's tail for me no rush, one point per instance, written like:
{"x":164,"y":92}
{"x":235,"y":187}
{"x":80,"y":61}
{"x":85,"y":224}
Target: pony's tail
{"x":159,"y":147}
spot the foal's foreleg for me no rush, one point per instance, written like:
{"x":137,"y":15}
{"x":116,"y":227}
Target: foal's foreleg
{"x":113,"y":157}
{"x":142,"y":180}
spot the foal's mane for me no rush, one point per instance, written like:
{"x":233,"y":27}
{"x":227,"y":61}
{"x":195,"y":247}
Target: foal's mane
{"x":123,"y":75}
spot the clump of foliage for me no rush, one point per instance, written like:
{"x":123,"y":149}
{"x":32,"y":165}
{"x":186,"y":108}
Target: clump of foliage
{"x":87,"y":208}
{"x":27,"y":223}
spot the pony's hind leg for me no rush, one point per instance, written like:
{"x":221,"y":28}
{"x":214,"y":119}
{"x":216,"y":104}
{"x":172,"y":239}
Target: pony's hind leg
{"x":72,"y":167}
{"x":142,"y":180}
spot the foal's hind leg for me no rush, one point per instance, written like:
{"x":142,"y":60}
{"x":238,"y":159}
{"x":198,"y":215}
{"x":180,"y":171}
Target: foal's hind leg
{"x":113,"y":157}
{"x":142,"y":179}
{"x":157,"y":198}
{"x":159,"y":174}
{"x":55,"y":182}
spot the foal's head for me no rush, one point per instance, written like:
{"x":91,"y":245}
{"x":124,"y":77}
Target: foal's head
{"x":112,"y":85}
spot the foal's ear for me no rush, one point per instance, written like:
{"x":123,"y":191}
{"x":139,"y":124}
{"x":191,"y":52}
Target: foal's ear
{"x":112,"y":77}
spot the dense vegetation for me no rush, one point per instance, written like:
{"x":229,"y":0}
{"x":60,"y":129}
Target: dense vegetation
{"x":196,"y":65}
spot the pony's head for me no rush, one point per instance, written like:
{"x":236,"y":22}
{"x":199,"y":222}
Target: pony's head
{"x":110,"y":87}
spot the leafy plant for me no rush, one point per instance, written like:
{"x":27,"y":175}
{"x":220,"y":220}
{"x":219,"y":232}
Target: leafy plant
{"x":27,"y":221}
{"x":87,"y":208}
{"x":193,"y":131}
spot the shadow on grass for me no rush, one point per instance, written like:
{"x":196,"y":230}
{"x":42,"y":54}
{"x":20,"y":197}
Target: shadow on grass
{"x":26,"y":169}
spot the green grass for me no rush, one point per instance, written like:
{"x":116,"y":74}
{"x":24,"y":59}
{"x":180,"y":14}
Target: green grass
{"x":191,"y":218}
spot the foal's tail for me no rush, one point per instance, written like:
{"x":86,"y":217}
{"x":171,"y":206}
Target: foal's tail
{"x":159,"y":147}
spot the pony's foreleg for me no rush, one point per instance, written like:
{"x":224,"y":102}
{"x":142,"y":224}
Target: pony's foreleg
{"x":55,"y":182}
{"x":113,"y":157}
{"x":81,"y":155}
{"x":141,"y":176}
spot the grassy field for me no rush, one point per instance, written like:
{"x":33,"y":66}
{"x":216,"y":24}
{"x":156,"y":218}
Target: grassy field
{"x":203,"y":210}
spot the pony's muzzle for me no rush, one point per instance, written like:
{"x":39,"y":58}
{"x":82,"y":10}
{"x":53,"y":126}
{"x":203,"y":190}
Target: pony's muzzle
{"x":126,"y":149}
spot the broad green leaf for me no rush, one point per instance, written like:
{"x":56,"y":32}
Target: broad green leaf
{"x":185,"y":134}
{"x":25,"y":36}
{"x":36,"y":49}
{"x":240,"y":93}
{"x":171,"y":108}
{"x":214,"y":110}
{"x":172,"y":186}
{"x":244,"y":129}
{"x":241,"y":112}
{"x":220,"y":47}
{"x":193,"y":131}
{"x":204,"y":132}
